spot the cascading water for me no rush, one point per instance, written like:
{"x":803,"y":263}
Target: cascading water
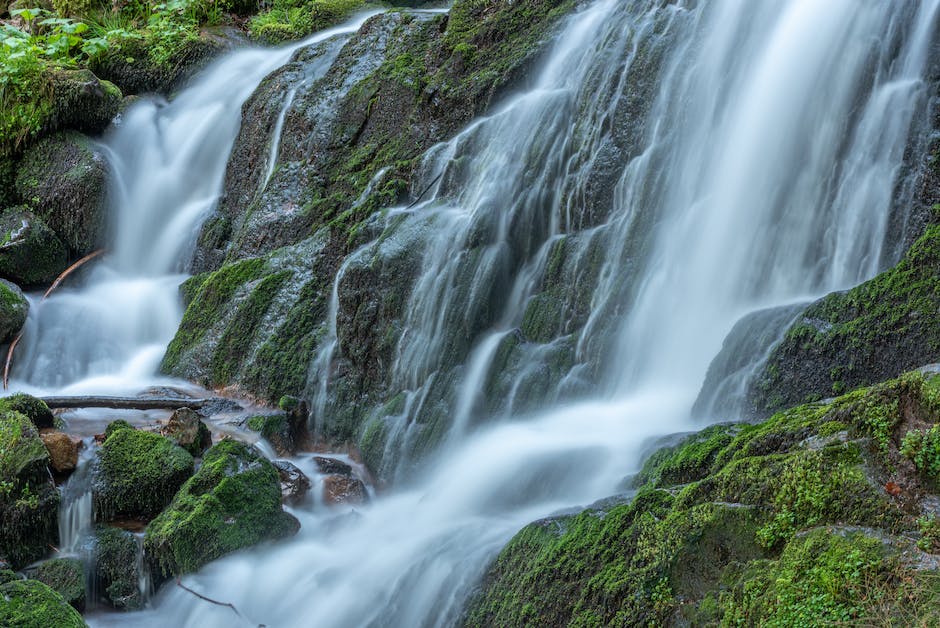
{"x":168,"y":162}
{"x":760,"y":171}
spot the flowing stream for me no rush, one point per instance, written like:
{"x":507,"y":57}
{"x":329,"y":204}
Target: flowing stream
{"x":760,"y":168}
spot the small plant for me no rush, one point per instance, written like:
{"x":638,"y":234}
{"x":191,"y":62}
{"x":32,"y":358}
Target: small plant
{"x":923,"y":449}
{"x":930,"y":534}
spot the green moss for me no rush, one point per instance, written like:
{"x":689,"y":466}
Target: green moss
{"x":292,"y":19}
{"x":780,"y":523}
{"x":65,"y":576}
{"x":31,"y":604}
{"x":33,"y":408}
{"x":117,"y":568}
{"x":138,"y":474}
{"x":233,"y":501}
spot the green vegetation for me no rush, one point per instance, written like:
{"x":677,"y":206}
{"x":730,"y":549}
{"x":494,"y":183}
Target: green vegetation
{"x":782,"y":523}
{"x":117,"y":568}
{"x":65,"y":576}
{"x":138,"y":473}
{"x":31,"y":604}
{"x":233,"y":502}
{"x":293,"y":19}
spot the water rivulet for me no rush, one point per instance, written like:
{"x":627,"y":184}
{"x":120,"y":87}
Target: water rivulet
{"x":503,"y":347}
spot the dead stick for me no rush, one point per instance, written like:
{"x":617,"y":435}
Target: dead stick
{"x":55,"y":284}
{"x":125,"y":403}
{"x":207,"y":599}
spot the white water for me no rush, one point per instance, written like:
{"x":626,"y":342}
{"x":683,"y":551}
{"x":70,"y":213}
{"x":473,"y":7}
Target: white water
{"x":168,"y":163}
{"x":768,"y":159}
{"x":766,"y":163}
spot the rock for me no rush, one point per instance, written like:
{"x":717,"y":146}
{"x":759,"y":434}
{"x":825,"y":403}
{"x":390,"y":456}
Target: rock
{"x":118,"y":568}
{"x":33,"y":408}
{"x":81,"y":101}
{"x":30,"y":252}
{"x":13,"y":310}
{"x":65,"y":576}
{"x":187,"y":430}
{"x":7,"y":576}
{"x":342,"y":489}
{"x":329,"y":466}
{"x":285,"y":432}
{"x":138,"y":473}
{"x":232,"y":502}
{"x":63,"y":451}
{"x":29,"y":502}
{"x":63,"y":178}
{"x":32,"y":604}
{"x":294,"y":484}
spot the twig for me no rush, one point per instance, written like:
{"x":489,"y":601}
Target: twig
{"x":426,"y":190}
{"x":55,"y":284}
{"x":207,"y":599}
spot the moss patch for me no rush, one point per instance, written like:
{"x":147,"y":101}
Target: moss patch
{"x":31,"y":604}
{"x":65,"y":576}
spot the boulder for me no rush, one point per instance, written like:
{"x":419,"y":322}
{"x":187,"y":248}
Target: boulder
{"x":138,"y":473}
{"x":29,"y":502}
{"x":344,"y":489}
{"x":63,"y":178}
{"x":187,"y":430}
{"x":32,"y":604}
{"x":232,"y":502}
{"x":30,"y":252}
{"x":63,"y":451}
{"x":65,"y":576}
{"x":294,"y":484}
{"x":332,"y":466}
{"x":80,"y":101}
{"x":32,"y":408}
{"x":282,"y":430}
{"x":13,"y":310}
{"x":118,"y":568}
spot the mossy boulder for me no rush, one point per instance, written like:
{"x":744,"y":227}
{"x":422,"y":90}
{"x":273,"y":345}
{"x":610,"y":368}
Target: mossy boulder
{"x":29,"y":502}
{"x":232,"y":502}
{"x":63,"y":180}
{"x":13,"y":310}
{"x":80,"y":101}
{"x":285,"y":431}
{"x":31,"y":254}
{"x":65,"y":576}
{"x":118,"y":568}
{"x":808,"y":518}
{"x":138,"y":473}
{"x":868,"y":334}
{"x":33,"y":408}
{"x":32,"y":604}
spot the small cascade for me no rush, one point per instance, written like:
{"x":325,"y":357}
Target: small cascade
{"x":76,"y":516}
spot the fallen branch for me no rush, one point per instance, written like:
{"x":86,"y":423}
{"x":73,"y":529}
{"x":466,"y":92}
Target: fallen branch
{"x":207,"y":599}
{"x":125,"y":403}
{"x":426,"y":190}
{"x":55,"y":284}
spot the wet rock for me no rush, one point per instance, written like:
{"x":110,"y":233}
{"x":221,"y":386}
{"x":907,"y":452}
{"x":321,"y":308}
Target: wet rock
{"x":138,"y":473}
{"x":63,"y":451}
{"x":65,"y":576}
{"x":31,"y":254}
{"x":118,"y":568}
{"x":294,"y":484}
{"x":343,"y":489}
{"x":13,"y":310}
{"x":187,"y":430}
{"x":285,"y":431}
{"x":81,"y":101}
{"x":30,"y":603}
{"x":332,"y":466}
{"x":29,"y":502}
{"x":63,"y":179}
{"x":233,"y":501}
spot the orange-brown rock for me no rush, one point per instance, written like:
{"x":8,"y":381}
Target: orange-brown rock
{"x":63,"y":451}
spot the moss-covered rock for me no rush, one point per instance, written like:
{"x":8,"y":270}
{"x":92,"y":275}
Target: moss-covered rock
{"x":30,"y":252}
{"x":65,"y":576}
{"x":867,"y":334}
{"x":29,"y":501}
{"x":277,"y":429}
{"x":118,"y":568}
{"x":138,"y":473}
{"x":33,"y":408}
{"x":186,"y":429}
{"x":13,"y":310}
{"x":63,"y":179}
{"x":32,"y":604}
{"x":805,"y":519}
{"x":233,"y":502}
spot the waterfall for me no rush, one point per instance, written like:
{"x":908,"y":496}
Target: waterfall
{"x":167,"y":164}
{"x":674,"y":167}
